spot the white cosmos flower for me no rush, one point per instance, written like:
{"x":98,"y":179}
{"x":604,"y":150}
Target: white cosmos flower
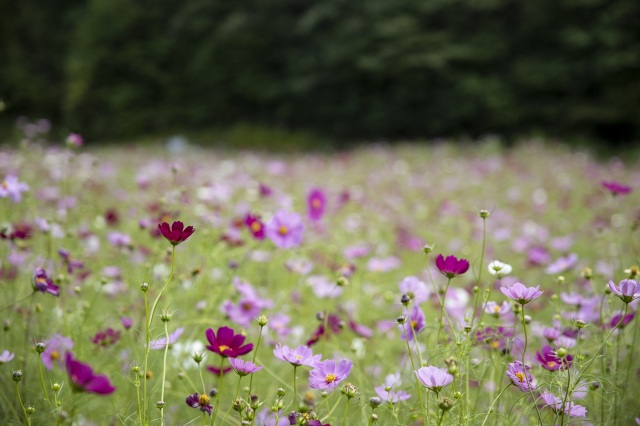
{"x":499,"y":269}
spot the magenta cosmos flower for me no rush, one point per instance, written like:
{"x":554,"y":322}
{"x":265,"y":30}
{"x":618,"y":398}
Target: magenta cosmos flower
{"x":519,"y":375}
{"x":243,"y":367}
{"x":177,"y":233}
{"x":285,"y":229}
{"x":302,"y":355}
{"x":199,"y":401}
{"x":616,"y":188}
{"x":74,"y":140}
{"x":255,"y":225}
{"x":551,"y":361}
{"x":451,"y":266}
{"x":316,"y":204}
{"x":520,"y":293}
{"x":627,"y":291}
{"x":328,"y":374}
{"x":226,"y":343}
{"x":434,"y":378}
{"x":41,"y":282}
{"x":83,"y":379}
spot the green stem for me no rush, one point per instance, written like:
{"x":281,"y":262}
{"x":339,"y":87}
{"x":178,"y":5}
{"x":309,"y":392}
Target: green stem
{"x":566,"y":396}
{"x":413,"y":366}
{"x":204,"y":388}
{"x":215,"y":411}
{"x":526,"y":376}
{"x":444,"y":298}
{"x":44,"y":387}
{"x":494,"y":403}
{"x":24,"y":411}
{"x":255,"y":353}
{"x":295,"y":389}
{"x":346,"y":410}
{"x":164,"y":370}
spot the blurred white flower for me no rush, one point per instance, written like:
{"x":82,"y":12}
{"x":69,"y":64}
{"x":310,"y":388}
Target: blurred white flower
{"x":499,"y":269}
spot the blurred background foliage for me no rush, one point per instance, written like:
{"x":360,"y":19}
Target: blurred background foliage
{"x":380,"y":69}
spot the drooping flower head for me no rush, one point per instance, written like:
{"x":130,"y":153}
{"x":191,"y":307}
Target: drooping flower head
{"x":499,"y":269}
{"x":302,"y":355}
{"x":242,"y":367}
{"x":520,"y":293}
{"x":616,"y":188}
{"x":551,"y":361}
{"x":177,"y":233}
{"x":199,"y":401}
{"x":255,"y":225}
{"x":519,"y":375}
{"x":328,"y":374}
{"x":83,"y":379}
{"x":41,"y":282}
{"x":226,"y":343}
{"x":285,"y":229}
{"x":316,"y":204}
{"x":627,"y":291}
{"x":451,"y":266}
{"x":434,"y":378}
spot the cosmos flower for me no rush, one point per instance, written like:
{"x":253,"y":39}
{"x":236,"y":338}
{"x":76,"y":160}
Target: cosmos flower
{"x":519,"y":375}
{"x":41,"y":282}
{"x":555,"y":404}
{"x":177,"y":233}
{"x":328,"y":374}
{"x":285,"y":229}
{"x":74,"y":140}
{"x":627,"y":291}
{"x":551,"y":361}
{"x":199,"y":401}
{"x":242,"y":367}
{"x":497,"y":310}
{"x":563,"y":264}
{"x":616,"y":188}
{"x":255,"y":225}
{"x":414,"y":288}
{"x":434,"y":378}
{"x":11,"y":187}
{"x":83,"y":379}
{"x":162,"y":341}
{"x":618,"y":320}
{"x":106,"y":338}
{"x":71,"y":263}
{"x":416,"y":321}
{"x":316,"y":204}
{"x":499,"y":269}
{"x":496,"y":338}
{"x":226,"y":343}
{"x":520,"y":293}
{"x":5,"y":357}
{"x":302,"y":355}
{"x":451,"y":267}
{"x":389,"y":392}
{"x":55,"y":346}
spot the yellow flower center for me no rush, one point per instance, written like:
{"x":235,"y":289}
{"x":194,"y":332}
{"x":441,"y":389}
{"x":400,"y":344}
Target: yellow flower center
{"x":223,"y":348}
{"x":520,"y":377}
{"x":54,"y":355}
{"x":330,"y":378}
{"x":5,"y":185}
{"x":414,"y":324}
{"x":298,"y":357}
{"x":255,"y":227}
{"x":496,"y":309}
{"x":204,"y":399}
{"x":551,"y":364}
{"x":246,"y":306}
{"x":315,"y":203}
{"x":495,"y":345}
{"x":283,"y":230}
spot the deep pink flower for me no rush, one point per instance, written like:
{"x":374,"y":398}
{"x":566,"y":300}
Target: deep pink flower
{"x":627,"y":291}
{"x":451,"y":266}
{"x":519,"y":375}
{"x":316,"y":204}
{"x":616,"y":188}
{"x":71,"y":263}
{"x":226,"y":343}
{"x":255,"y":225}
{"x":520,"y":293}
{"x":41,"y":282}
{"x":199,"y":401}
{"x":328,"y":374}
{"x":74,"y":140}
{"x":106,"y":338}
{"x":434,"y":378}
{"x":620,"y":322}
{"x":552,"y":362}
{"x":177,"y":233}
{"x":83,"y":379}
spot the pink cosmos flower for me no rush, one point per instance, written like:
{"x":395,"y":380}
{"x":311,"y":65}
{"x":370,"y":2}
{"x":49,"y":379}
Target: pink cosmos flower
{"x":616,"y":188}
{"x":520,"y":293}
{"x":83,"y":379}
{"x":451,"y":266}
{"x":328,"y":374}
{"x":177,"y":233}
{"x":316,"y":204}
{"x":285,"y":229}
{"x":627,"y":291}
{"x":11,"y":187}
{"x":74,"y":140}
{"x":255,"y":225}
{"x":242,"y":367}
{"x":519,"y":375}
{"x":434,"y":378}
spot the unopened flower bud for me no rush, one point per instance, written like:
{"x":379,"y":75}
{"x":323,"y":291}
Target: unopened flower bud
{"x":342,"y":281}
{"x":165,"y":316}
{"x":280,"y":392}
{"x":445,"y":404}
{"x":262,"y":320}
{"x":587,"y":273}
{"x":374,"y":417}
{"x":40,"y":347}
{"x":375,"y":402}
{"x":56,"y":387}
{"x":527,"y":319}
{"x":594,"y":385}
{"x":560,"y":279}
{"x":427,"y":248}
{"x":254,"y":400}
{"x":6,"y":325}
{"x":484,"y":213}
{"x":405,"y":299}
{"x":580,"y":323}
{"x":198,"y":357}
{"x":349,"y":390}
{"x":324,"y":394}
{"x":17,"y":376}
{"x":457,"y":394}
{"x":160,"y":404}
{"x":476,"y":289}
{"x":320,"y":316}
{"x":401,"y":319}
{"x":213,"y":392}
{"x":561,"y":352}
{"x":30,"y":410}
{"x":38,"y":308}
{"x":144,"y":287}
{"x":238,"y":405}
{"x":452,"y":369}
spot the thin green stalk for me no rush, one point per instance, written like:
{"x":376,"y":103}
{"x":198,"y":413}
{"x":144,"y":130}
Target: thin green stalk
{"x":566,"y":396}
{"x":494,"y":403}
{"x":526,"y":376}
{"x":615,"y":375}
{"x":346,"y":410}
{"x":164,"y":370}
{"x":24,"y":410}
{"x":44,"y":387}
{"x":332,"y":408}
{"x":444,"y":298}
{"x":204,"y":388}
{"x":255,"y":353}
{"x":215,"y":411}
{"x":295,"y":389}
{"x":413,"y":366}
{"x":235,"y":398}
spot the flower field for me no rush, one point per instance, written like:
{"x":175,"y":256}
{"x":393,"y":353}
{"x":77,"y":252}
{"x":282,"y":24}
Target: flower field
{"x":407,"y":285}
